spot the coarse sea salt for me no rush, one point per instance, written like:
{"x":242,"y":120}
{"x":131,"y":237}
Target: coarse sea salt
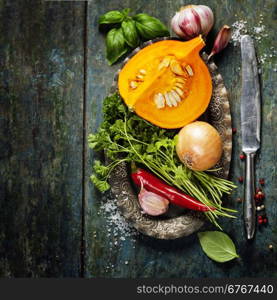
{"x":238,"y":30}
{"x":117,"y":229}
{"x":258,"y":33}
{"x":116,"y":225}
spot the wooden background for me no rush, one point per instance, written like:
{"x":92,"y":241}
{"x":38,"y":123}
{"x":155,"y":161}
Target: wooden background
{"x":53,"y":78}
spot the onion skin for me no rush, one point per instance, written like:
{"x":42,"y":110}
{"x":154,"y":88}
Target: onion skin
{"x":199,"y":146}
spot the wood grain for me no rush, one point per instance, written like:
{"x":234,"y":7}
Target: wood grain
{"x":53,"y":79}
{"x":41,"y":134}
{"x":140,"y":256}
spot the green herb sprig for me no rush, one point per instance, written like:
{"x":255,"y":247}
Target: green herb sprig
{"x":128,"y":31}
{"x":125,"y":137}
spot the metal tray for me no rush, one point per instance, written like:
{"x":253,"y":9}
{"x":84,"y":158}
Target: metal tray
{"x":183,"y":222}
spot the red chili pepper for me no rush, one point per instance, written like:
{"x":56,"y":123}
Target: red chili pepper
{"x":157,"y":186}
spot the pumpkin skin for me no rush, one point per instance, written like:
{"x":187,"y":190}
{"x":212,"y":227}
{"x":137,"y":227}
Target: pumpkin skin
{"x":140,"y":99}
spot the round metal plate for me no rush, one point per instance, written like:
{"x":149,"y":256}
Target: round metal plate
{"x":183,"y":222}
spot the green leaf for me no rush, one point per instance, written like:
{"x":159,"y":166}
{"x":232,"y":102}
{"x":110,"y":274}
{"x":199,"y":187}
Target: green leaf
{"x":126,"y":11}
{"x":151,"y":148}
{"x":116,"y":46}
{"x":150,"y":27}
{"x":130,"y":33}
{"x":101,"y":185}
{"x":217,"y":246}
{"x":111,"y":17}
{"x":100,"y":169}
{"x":92,"y":141}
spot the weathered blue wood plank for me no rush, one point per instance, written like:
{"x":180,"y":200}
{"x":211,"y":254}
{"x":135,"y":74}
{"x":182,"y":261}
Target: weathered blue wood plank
{"x":41,"y":134}
{"x":139,"y":256}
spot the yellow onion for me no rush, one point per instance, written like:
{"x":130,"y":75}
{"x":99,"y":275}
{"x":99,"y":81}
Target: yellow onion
{"x":199,"y":146}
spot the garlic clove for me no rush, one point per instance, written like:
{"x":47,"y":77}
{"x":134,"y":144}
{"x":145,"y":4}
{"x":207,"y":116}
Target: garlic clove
{"x":221,"y":41}
{"x":206,"y":17}
{"x":152,"y":204}
{"x":190,"y":23}
{"x":175,"y":25}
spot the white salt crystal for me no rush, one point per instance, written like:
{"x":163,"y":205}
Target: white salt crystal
{"x":116,"y":225}
{"x":259,"y":33}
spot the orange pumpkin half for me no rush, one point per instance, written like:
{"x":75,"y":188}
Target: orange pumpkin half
{"x":167,"y":83}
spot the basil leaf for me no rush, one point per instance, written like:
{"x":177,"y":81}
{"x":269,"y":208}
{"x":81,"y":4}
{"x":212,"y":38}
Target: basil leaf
{"x":130,"y":33}
{"x":150,"y":27}
{"x":111,"y":17}
{"x":217,"y":246}
{"x":126,"y":11}
{"x":115,"y":44}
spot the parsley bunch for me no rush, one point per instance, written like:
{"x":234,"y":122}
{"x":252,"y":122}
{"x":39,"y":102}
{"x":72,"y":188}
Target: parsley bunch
{"x":125,"y":137}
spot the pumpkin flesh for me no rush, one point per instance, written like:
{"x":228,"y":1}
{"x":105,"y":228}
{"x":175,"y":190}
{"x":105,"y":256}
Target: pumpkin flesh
{"x":196,"y":90}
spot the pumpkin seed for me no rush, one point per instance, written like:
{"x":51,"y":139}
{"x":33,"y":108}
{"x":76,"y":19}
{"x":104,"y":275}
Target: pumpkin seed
{"x":172,"y":99}
{"x":180,"y":80}
{"x":141,"y":77}
{"x":176,"y":67}
{"x":142,"y":71}
{"x":179,"y":91}
{"x":159,"y":100}
{"x":176,"y":96}
{"x":133,"y":84}
{"x":164,"y":63}
{"x":189,"y":70}
{"x":179,"y":85}
{"x":167,"y":100}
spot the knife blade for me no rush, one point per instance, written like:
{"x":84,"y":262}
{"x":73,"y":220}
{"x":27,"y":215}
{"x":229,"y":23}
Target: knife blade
{"x":250,"y":128}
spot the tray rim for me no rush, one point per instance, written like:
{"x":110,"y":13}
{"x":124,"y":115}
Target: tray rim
{"x":121,"y":187}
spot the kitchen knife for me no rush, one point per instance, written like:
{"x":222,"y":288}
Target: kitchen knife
{"x":250,"y":128}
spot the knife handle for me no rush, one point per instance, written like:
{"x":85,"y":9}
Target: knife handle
{"x":249,"y":200}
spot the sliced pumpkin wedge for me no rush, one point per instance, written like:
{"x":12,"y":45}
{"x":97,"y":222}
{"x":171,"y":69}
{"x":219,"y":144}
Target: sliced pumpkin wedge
{"x":167,"y":83}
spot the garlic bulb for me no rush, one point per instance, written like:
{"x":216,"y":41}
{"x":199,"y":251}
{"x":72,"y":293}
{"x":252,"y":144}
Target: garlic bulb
{"x":192,"y":20}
